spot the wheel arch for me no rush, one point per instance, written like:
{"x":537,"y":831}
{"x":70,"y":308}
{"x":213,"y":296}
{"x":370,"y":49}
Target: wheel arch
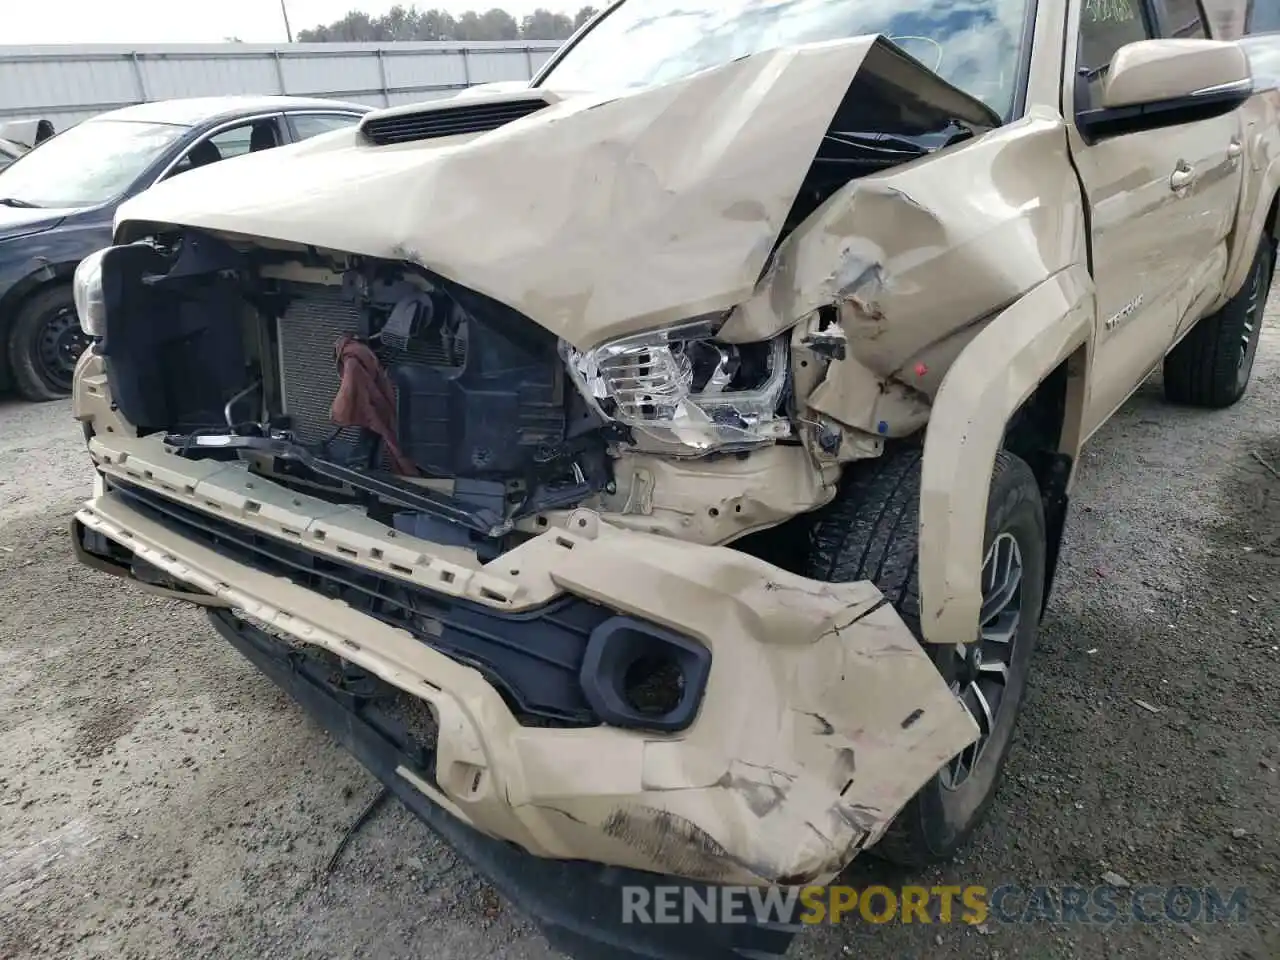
{"x":1020,"y":385}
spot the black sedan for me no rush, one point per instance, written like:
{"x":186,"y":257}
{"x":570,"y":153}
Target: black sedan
{"x":57,"y":205}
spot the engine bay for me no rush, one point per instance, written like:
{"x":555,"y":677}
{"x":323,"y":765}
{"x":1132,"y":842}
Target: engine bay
{"x":449,"y":415}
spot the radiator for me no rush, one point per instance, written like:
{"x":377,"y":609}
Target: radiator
{"x":307,"y":333}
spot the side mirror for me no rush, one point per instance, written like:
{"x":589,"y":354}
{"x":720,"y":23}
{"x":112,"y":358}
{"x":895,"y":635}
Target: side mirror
{"x":1163,"y":83}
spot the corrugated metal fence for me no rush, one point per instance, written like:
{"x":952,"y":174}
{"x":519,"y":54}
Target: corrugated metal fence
{"x":69,"y":83}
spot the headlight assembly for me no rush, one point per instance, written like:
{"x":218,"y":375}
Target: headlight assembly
{"x":681,"y":387}
{"x":86,"y":288}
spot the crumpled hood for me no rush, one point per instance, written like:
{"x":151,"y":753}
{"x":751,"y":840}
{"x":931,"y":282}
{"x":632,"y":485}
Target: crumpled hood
{"x":598,"y":216}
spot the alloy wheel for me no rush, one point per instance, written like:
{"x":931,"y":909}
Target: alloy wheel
{"x":979,"y":671}
{"x":1249,"y":335}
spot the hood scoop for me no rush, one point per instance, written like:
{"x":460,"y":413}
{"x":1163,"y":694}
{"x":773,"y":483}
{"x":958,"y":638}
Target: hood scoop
{"x":448,"y":119}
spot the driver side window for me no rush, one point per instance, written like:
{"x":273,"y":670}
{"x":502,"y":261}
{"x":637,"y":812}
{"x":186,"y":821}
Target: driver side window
{"x":1105,"y":27}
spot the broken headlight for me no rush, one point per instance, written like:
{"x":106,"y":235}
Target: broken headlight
{"x":679,"y":386}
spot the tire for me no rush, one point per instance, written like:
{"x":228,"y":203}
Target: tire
{"x":1212,"y":364}
{"x":45,"y":341}
{"x":870,"y":533}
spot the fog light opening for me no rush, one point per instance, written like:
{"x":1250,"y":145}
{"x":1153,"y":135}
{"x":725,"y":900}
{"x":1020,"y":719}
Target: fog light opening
{"x":653,"y":685}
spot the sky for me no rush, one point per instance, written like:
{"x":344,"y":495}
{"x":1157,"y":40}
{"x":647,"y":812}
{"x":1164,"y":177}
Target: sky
{"x":24,"y":22}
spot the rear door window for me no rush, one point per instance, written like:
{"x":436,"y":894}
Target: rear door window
{"x":308,"y":125}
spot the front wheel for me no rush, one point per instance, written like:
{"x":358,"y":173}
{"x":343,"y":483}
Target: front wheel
{"x":45,"y":343}
{"x":870,"y":533}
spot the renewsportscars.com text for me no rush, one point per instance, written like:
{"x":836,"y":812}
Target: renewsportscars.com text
{"x":1005,"y":904}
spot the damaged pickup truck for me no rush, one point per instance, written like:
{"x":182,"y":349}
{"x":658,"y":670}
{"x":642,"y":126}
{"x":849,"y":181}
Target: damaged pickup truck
{"x":655,"y":475}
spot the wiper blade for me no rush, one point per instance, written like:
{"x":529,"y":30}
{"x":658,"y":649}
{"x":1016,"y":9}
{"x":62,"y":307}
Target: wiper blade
{"x":884,"y":143}
{"x":15,"y":202}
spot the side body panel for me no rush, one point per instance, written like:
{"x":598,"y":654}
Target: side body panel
{"x":1162,"y":205}
{"x":1159,"y":252}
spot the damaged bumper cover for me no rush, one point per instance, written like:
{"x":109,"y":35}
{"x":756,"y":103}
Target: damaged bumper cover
{"x":577,"y":903}
{"x":820,"y":717}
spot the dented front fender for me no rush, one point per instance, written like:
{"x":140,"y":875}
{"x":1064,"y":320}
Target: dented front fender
{"x":990,"y":380}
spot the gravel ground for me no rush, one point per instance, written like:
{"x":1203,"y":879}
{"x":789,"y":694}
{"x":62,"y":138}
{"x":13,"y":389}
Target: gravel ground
{"x":158,"y":798}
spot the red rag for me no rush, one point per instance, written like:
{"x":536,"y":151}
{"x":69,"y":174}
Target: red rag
{"x":367,"y":399}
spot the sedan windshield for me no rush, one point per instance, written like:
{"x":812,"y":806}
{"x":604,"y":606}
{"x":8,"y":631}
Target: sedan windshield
{"x":89,"y":164}
{"x":974,"y":44}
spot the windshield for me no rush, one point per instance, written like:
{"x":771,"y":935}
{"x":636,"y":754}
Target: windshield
{"x":89,"y":164}
{"x":974,"y":44}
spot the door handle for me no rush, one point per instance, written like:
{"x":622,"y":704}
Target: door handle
{"x":1182,"y":177}
{"x":1233,"y":151}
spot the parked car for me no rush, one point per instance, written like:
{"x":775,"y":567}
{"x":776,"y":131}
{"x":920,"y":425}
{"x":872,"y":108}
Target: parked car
{"x":686,"y":496}
{"x":57,"y":205}
{"x":18,"y":137}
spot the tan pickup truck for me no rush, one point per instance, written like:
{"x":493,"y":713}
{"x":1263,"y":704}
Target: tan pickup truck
{"x":656,"y":474}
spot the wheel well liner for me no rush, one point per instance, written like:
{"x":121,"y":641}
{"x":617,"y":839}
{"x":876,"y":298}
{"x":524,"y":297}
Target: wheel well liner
{"x":1035,"y":433}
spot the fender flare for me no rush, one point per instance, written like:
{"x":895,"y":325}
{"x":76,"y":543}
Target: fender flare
{"x":993,"y":376}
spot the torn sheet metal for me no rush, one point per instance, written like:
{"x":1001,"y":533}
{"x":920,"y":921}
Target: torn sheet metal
{"x":718,"y":500}
{"x":912,"y":268}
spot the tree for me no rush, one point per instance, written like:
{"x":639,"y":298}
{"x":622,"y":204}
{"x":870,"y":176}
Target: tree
{"x":499,"y":25}
{"x":436,"y":25}
{"x":542,"y":24}
{"x":410,"y":23}
{"x":355,"y":27}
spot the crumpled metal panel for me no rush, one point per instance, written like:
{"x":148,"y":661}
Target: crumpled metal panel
{"x":598,"y":216}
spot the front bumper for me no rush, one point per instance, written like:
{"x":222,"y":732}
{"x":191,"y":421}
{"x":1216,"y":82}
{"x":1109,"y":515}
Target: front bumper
{"x":821,"y":716}
{"x":578,"y":904}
